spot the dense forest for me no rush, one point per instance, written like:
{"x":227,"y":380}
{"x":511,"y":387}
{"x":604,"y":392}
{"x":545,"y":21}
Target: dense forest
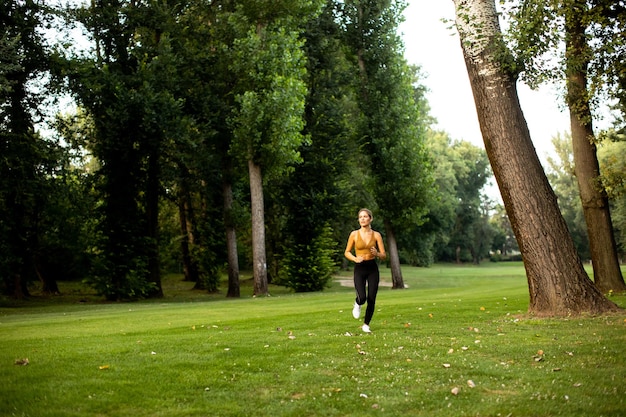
{"x":210,"y":137}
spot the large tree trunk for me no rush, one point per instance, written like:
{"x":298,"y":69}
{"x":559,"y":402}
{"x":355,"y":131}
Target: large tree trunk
{"x":231,"y":242}
{"x":606,"y":270}
{"x":557,"y":281}
{"x":394,"y":258}
{"x":259,"y":263}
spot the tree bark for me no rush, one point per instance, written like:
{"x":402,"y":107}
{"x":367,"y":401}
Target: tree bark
{"x":231,"y":242}
{"x":185,"y":215}
{"x":394,"y":258}
{"x":259,"y":263}
{"x":595,"y":202}
{"x":557,"y":282}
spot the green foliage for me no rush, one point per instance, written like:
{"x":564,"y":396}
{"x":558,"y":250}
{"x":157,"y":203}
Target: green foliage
{"x":131,"y":286}
{"x":560,"y":173}
{"x":394,"y":116}
{"x":175,"y":98}
{"x":309,"y":267}
{"x":458,"y":217}
{"x":28,"y":161}
{"x":267,"y":122}
{"x":537,"y":35}
{"x":320,"y":189}
{"x":613,"y":177}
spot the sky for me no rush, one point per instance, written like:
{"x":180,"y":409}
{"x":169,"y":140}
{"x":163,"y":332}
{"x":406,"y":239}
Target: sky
{"x":435,"y":47}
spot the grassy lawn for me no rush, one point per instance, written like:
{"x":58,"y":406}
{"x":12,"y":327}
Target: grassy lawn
{"x":460,"y":329}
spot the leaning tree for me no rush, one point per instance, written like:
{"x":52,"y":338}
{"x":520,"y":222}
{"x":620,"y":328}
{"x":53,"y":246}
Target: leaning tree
{"x":557,"y":281}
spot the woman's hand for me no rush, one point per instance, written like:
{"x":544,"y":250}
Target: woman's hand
{"x":374,"y":252}
{"x":358,"y":259}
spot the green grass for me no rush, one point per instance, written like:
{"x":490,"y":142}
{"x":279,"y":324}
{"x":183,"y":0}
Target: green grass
{"x":197,"y":354}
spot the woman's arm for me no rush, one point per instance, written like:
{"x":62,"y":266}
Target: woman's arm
{"x":348,"y":252}
{"x":382,"y":255}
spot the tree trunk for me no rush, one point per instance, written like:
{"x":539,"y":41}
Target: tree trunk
{"x":595,"y":202}
{"x":394,"y":258}
{"x":557,"y":282}
{"x":185,"y":216}
{"x":231,"y":242}
{"x":259,"y":263}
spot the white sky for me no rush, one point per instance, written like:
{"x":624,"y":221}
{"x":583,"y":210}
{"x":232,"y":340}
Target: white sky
{"x":431,"y":44}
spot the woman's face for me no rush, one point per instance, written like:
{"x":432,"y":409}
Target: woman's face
{"x":364,"y":218}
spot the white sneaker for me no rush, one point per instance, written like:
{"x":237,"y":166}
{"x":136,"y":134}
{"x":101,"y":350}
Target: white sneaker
{"x":366,"y":328}
{"x":356,"y":311}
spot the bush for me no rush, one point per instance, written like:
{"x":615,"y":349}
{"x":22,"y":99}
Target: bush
{"x":309,"y":267}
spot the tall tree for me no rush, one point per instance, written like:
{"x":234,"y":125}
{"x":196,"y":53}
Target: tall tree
{"x":557,"y":281}
{"x":394,"y":126}
{"x":595,"y":201}
{"x":203,"y":165}
{"x":317,"y":192}
{"x":593,"y":34}
{"x":24,"y":165}
{"x":127,"y":88}
{"x":270,"y":93}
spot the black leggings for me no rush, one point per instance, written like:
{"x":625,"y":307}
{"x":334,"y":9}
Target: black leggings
{"x":366,"y":272}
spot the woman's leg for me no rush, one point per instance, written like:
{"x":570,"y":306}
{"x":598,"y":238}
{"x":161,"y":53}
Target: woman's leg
{"x":360,"y":278}
{"x":373,"y":279}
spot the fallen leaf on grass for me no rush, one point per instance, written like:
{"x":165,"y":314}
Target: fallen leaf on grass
{"x":471,"y":383}
{"x":446,"y":365}
{"x":455,"y":391}
{"x":103,"y":367}
{"x":22,"y":362}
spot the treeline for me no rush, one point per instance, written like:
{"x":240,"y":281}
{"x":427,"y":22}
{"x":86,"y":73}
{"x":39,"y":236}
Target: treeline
{"x":211,"y":137}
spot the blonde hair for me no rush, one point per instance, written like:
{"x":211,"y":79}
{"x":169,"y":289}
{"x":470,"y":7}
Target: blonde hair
{"x":368,"y":211}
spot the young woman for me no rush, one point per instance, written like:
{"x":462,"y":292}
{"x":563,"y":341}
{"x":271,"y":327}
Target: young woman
{"x":368,"y":246}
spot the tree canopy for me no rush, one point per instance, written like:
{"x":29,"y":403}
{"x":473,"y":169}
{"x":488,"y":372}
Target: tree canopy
{"x":234,"y":137}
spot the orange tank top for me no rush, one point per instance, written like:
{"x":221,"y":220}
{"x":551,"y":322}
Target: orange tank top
{"x":362,"y":248}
